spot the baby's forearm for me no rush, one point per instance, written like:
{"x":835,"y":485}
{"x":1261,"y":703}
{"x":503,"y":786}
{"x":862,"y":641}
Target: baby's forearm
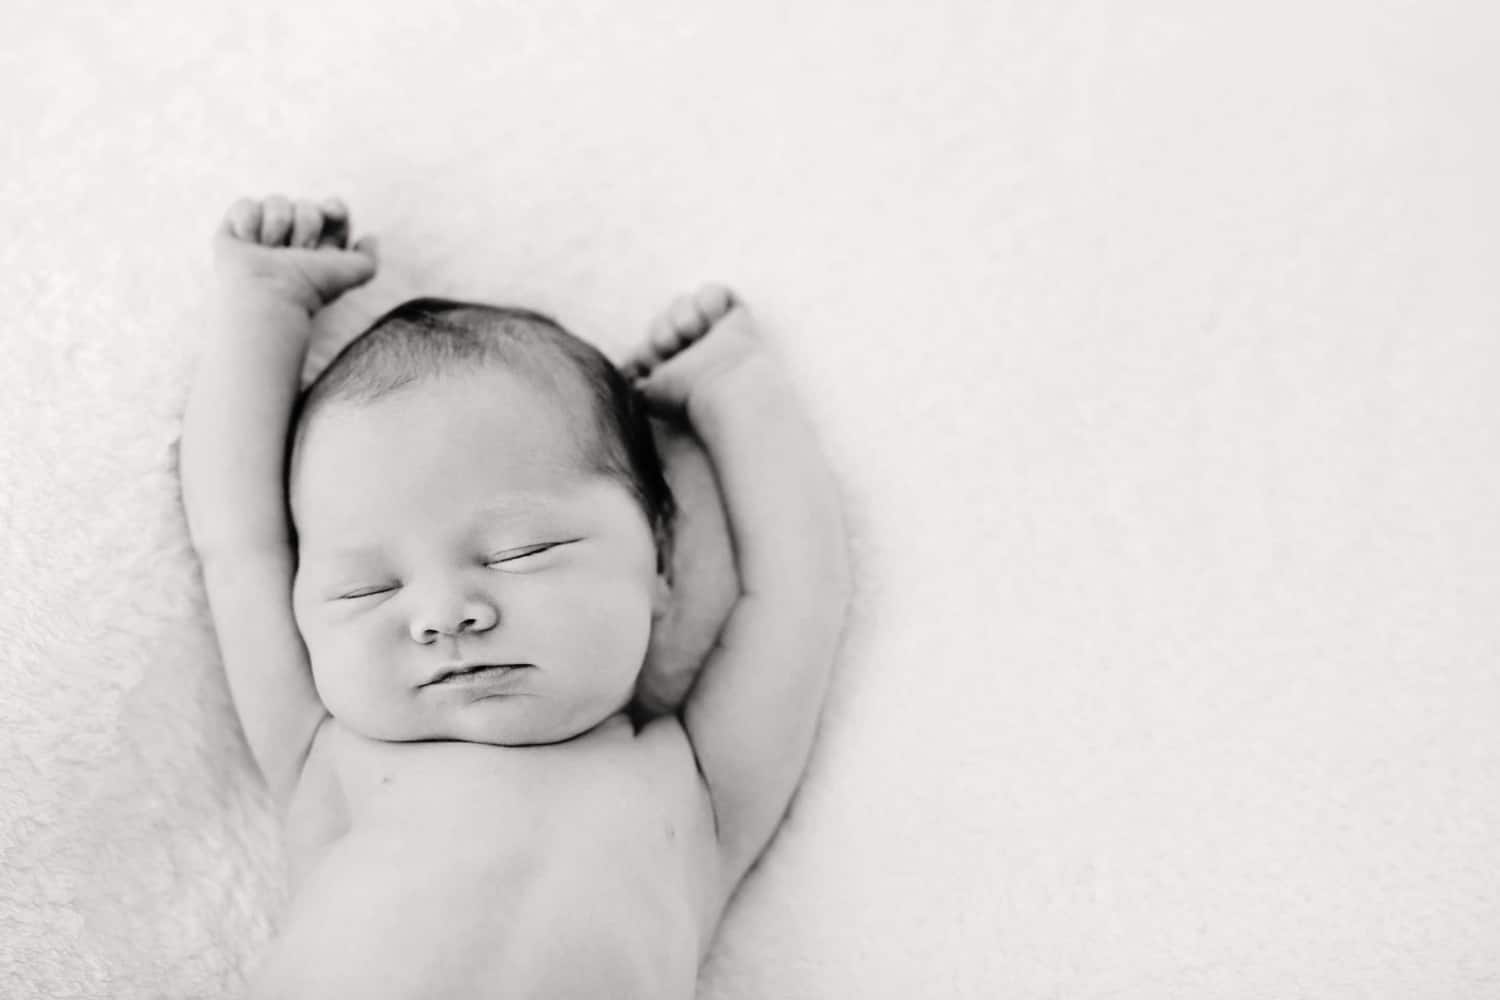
{"x":781,"y":498}
{"x":235,"y":427}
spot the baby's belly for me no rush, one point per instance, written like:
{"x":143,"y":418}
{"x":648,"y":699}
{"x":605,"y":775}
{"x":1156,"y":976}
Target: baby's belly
{"x":470,"y":871}
{"x":445,"y":914}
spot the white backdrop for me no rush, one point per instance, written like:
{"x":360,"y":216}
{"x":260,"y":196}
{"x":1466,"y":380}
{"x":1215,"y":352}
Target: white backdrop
{"x":1155,"y":345}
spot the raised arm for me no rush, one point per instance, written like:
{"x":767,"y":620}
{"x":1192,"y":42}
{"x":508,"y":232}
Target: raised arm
{"x":277,"y":263}
{"x":753,"y":713}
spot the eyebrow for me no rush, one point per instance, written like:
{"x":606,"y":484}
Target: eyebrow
{"x":511,"y":507}
{"x":517,"y":504}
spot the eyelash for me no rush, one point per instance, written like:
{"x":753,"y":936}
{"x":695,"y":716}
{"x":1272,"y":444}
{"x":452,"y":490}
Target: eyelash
{"x":533,"y":550}
{"x":529,"y":551}
{"x":355,"y":595}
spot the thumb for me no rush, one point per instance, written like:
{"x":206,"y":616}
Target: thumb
{"x":369,"y":246}
{"x":662,"y":393}
{"x":354,"y":267}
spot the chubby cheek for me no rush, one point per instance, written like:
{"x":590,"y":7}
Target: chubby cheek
{"x":346,"y":663}
{"x":612,"y":627}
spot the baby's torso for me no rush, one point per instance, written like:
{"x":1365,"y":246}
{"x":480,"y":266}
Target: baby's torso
{"x":585,"y":869}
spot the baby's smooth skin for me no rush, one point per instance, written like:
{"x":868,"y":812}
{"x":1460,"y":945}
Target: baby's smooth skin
{"x":506,"y":832}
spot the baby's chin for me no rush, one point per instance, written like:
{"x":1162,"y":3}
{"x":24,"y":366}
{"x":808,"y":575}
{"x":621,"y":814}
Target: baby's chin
{"x":503,"y":726}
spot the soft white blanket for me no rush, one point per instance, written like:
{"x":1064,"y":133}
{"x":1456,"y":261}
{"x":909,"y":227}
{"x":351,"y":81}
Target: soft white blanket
{"x":1156,"y":346}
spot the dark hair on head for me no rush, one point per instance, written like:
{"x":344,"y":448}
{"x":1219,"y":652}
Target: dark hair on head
{"x":429,"y":337}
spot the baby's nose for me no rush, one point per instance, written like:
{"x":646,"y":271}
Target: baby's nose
{"x":471,"y":614}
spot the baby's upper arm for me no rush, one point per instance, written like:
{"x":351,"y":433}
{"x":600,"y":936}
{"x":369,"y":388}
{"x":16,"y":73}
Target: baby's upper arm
{"x":317,"y":813}
{"x":250,"y":594}
{"x":752,"y":716}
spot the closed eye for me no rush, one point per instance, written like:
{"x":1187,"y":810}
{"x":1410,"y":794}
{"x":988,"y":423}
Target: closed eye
{"x":530,"y":550}
{"x":365,"y":592}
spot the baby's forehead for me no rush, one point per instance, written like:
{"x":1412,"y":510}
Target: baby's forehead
{"x":482,"y":520}
{"x":351,"y":425}
{"x":491,"y":492}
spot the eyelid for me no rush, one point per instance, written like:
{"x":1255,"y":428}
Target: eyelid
{"x":530,"y":550}
{"x":509,"y":555}
{"x":365,"y":591}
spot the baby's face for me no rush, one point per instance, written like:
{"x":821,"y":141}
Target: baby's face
{"x":450,"y":524}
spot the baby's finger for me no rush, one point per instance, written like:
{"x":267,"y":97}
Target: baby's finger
{"x":243,"y":219}
{"x":335,"y":224}
{"x":632,"y":368}
{"x":369,"y":246}
{"x":276,"y":221}
{"x":713,"y":302}
{"x":307,"y":225}
{"x":687,"y":321}
{"x":646,"y":353}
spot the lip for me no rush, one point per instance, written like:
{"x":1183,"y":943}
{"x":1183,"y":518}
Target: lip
{"x":467,"y":674}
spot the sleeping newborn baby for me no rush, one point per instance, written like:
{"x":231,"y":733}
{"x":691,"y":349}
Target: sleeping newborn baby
{"x":434,"y":577}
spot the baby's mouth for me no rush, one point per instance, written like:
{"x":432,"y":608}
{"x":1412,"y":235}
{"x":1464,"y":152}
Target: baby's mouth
{"x":466,"y":670}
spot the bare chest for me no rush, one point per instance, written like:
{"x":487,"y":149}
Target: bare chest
{"x":466,"y":865}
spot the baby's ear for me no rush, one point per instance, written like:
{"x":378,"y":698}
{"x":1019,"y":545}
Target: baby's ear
{"x":664,"y":549}
{"x":661,"y":597}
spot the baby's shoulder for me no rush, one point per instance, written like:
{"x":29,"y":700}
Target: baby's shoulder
{"x":665,"y":758}
{"x":664,"y":740}
{"x":317,"y":814}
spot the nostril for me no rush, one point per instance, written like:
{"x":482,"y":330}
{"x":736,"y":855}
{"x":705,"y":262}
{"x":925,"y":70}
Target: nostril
{"x":479,"y":617}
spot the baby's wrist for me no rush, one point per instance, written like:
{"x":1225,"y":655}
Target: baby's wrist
{"x":754,"y":387}
{"x":266,"y":300}
{"x":273,"y":329}
{"x":264,"y":307}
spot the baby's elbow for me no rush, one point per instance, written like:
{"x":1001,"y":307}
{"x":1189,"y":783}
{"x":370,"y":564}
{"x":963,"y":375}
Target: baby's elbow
{"x":835,"y":592}
{"x":839,"y":574}
{"x":816,"y":573}
{"x":831,"y":583}
{"x":803,"y":595}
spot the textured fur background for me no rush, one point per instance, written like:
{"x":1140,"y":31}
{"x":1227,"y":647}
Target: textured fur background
{"x":1156,"y":345}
